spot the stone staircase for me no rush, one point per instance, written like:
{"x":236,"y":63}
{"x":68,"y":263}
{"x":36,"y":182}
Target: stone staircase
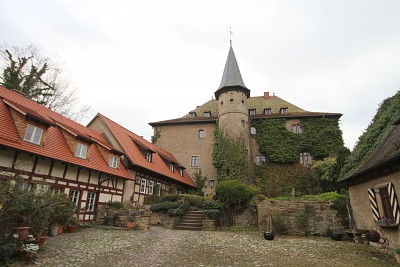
{"x":191,"y":220}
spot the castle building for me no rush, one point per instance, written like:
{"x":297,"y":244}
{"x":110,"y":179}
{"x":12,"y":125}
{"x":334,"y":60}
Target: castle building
{"x":191,"y":138}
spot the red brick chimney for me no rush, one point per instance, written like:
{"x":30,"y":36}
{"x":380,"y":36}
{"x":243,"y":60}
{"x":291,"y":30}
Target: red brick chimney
{"x":266,"y":95}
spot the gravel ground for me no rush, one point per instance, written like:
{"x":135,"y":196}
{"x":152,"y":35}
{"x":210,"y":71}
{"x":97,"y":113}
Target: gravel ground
{"x":165,"y":247}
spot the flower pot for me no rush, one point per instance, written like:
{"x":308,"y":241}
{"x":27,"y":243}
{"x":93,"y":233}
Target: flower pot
{"x":22,"y":232}
{"x":72,"y":228}
{"x":53,"y":230}
{"x":336,"y":237}
{"x":269,"y":236}
{"x":41,"y":241}
{"x":131,"y":225}
{"x":60,"y":230}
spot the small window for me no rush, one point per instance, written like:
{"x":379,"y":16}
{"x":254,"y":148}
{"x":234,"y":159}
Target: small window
{"x":147,"y":155}
{"x":113,"y":162}
{"x":242,"y":123}
{"x":384,"y":204}
{"x":253,"y":130}
{"x":192,"y":114}
{"x":252,"y":112}
{"x":74,"y":197}
{"x":283,"y":110}
{"x":201,"y":134}
{"x":297,"y":129}
{"x":143,"y":186}
{"x":27,"y":186}
{"x":305,"y":158}
{"x":267,"y":111}
{"x":151,"y":187}
{"x":222,"y":103}
{"x":231,"y":100}
{"x":171,"y":167}
{"x":158,"y":186}
{"x":56,"y":190}
{"x":260,"y":159}
{"x":263,"y":159}
{"x":33,"y":134}
{"x":90,"y":201}
{"x":81,"y":151}
{"x":207,"y":114}
{"x":194,"y":162}
{"x":180,"y":172}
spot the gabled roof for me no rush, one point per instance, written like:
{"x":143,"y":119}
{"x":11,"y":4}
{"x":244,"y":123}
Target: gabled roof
{"x":132,"y":143}
{"x":259,"y":103}
{"x":55,"y":146}
{"x":386,"y":154}
{"x":231,"y":76}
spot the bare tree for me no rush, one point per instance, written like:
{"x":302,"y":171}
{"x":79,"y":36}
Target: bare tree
{"x":40,"y":79}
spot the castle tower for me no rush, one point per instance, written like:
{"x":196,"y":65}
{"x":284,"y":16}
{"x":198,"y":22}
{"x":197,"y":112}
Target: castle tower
{"x":232,"y":97}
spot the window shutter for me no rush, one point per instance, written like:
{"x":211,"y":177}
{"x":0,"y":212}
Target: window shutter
{"x":374,"y":204}
{"x":394,"y":203}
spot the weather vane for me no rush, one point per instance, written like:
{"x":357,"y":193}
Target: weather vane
{"x":230,"y":35}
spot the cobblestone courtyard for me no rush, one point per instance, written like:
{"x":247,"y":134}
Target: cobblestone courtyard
{"x":164,"y":247}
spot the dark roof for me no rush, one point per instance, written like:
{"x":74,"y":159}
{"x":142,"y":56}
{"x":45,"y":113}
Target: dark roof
{"x":231,"y":77}
{"x":387,"y":154}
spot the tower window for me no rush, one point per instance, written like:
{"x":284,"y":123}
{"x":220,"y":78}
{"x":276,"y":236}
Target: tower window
{"x":267,"y":111}
{"x":305,"y":158}
{"x":231,"y":100}
{"x":253,"y":130}
{"x":252,"y":112}
{"x":242,"y":122}
{"x":195,"y":161}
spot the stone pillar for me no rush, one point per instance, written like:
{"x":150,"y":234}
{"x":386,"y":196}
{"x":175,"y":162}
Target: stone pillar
{"x":208,"y":225}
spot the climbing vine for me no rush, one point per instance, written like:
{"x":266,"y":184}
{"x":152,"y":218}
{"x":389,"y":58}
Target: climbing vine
{"x":320,"y":137}
{"x":230,"y":158}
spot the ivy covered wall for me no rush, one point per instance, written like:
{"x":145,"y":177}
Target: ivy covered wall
{"x":321,"y":137}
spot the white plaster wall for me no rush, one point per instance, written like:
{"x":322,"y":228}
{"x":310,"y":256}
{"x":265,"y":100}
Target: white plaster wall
{"x":6,"y":157}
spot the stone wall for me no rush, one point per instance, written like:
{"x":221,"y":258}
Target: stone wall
{"x":300,"y":217}
{"x":246,"y":218}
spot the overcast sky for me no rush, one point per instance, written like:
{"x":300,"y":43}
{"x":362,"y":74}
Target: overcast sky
{"x":143,"y":61}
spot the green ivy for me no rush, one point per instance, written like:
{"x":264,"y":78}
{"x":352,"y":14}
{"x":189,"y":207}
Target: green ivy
{"x":230,"y":158}
{"x":321,"y":137}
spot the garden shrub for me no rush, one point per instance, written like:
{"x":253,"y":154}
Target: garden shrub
{"x":212,"y":214}
{"x":115,"y":204}
{"x":175,"y":212}
{"x":150,"y":200}
{"x":194,"y":200}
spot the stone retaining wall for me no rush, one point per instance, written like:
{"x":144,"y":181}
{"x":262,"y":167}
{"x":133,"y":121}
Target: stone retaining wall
{"x":300,"y":217}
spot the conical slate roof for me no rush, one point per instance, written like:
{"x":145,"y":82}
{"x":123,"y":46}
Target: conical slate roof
{"x":231,"y":76}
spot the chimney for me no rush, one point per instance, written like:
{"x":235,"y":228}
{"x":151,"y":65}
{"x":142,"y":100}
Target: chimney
{"x":266,"y":95}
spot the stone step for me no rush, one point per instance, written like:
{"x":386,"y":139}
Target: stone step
{"x":191,"y":228}
{"x":197,"y":224}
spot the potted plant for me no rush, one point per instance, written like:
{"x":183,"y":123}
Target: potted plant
{"x":29,"y":251}
{"x":72,"y":224}
{"x":62,"y":211}
{"x":130,"y":222}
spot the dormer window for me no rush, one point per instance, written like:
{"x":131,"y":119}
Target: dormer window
{"x":148,"y":156}
{"x":81,"y":151}
{"x":113,"y":162}
{"x":192,"y":114}
{"x":180,"y":172}
{"x":252,"y":112}
{"x":171,"y":167}
{"x":267,"y":111}
{"x":207,"y":114}
{"x":283,"y":110}
{"x":33,"y":134}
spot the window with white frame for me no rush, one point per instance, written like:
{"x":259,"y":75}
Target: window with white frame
{"x":74,"y":197}
{"x":33,"y":134}
{"x":201,"y":134}
{"x":148,"y":156}
{"x":113,"y":162}
{"x":283,"y":110}
{"x":158,"y":186}
{"x":143,"y":186}
{"x":81,"y":151}
{"x":171,"y":167}
{"x":267,"y":111}
{"x":297,"y":129}
{"x":151,"y":187}
{"x":180,"y":172}
{"x":207,"y":114}
{"x":252,"y":112}
{"x":260,"y":159}
{"x":384,"y":204}
{"x":192,"y":114}
{"x":253,"y":130}
{"x":195,"y":161}
{"x":90,"y":201}
{"x":56,"y":190}
{"x":305,"y":158}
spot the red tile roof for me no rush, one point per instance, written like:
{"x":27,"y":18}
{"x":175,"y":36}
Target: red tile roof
{"x":130,"y":143}
{"x":55,"y":146}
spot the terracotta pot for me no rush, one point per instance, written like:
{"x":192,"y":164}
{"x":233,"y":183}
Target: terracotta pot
{"x":60,"y":230}
{"x":72,"y":228}
{"x":131,"y":224}
{"x":41,"y":241}
{"x":22,"y":232}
